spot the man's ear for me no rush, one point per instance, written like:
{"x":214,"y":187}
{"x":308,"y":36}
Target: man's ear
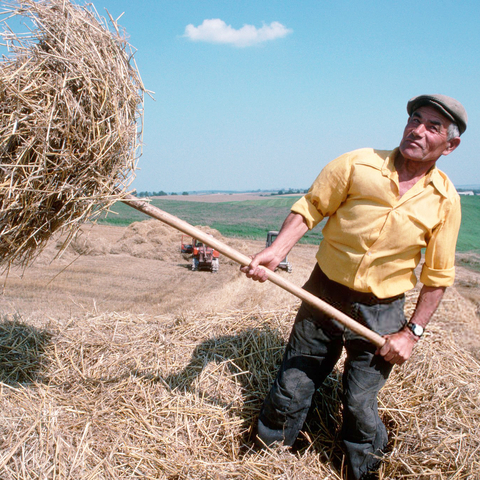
{"x":453,"y":143}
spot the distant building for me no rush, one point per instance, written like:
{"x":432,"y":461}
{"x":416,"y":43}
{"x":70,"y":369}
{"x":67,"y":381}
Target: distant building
{"x":466,"y":193}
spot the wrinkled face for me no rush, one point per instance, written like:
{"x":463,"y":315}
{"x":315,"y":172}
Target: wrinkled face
{"x":425,"y":136}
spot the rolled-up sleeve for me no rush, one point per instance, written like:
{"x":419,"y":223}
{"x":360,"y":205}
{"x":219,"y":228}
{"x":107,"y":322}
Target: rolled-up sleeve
{"x":439,"y":267}
{"x":308,"y":211}
{"x":327,"y":193}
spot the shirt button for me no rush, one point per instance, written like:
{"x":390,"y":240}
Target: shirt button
{"x":369,"y":253}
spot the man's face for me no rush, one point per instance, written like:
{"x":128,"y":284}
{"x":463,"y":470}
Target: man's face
{"x":425,"y":136}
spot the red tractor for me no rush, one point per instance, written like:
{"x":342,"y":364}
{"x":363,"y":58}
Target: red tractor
{"x":203,"y":256}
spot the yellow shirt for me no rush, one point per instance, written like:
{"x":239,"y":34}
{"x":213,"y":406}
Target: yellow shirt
{"x":373,"y":237}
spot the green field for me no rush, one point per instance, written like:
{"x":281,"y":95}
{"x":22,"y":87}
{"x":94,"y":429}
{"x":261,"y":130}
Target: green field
{"x":469,"y":238}
{"x":250,"y":219}
{"x":254,"y":218}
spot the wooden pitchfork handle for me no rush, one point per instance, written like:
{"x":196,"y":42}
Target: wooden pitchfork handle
{"x":243,"y":260}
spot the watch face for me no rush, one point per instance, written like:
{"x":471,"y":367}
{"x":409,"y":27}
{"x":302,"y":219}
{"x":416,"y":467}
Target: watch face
{"x":416,"y":329}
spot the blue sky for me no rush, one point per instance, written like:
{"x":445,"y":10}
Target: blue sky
{"x":324,"y":77}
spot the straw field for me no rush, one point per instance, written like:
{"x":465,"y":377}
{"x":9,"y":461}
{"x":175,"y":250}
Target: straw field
{"x":163,"y":374}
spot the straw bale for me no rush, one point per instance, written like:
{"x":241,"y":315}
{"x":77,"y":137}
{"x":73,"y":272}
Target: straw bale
{"x":71,"y":101}
{"x":121,"y":396}
{"x":153,"y":239}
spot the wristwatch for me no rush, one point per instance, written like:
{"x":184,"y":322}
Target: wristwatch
{"x":417,"y":330}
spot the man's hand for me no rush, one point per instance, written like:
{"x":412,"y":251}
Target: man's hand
{"x":267,"y":259}
{"x":293,"y":228}
{"x":398,"y":346}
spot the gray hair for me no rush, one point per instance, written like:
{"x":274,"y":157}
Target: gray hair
{"x":453,"y":131}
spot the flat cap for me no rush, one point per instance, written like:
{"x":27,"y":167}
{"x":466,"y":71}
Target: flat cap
{"x":449,"y":107}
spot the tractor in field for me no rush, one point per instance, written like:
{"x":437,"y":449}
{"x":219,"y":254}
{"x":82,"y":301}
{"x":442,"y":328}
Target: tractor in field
{"x":203,"y":256}
{"x":284,"y":264}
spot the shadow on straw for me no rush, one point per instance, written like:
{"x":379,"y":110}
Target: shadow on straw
{"x":253,"y":357}
{"x":21,"y":351}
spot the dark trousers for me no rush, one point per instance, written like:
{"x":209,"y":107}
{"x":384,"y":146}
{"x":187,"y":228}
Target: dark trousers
{"x":314,"y":347}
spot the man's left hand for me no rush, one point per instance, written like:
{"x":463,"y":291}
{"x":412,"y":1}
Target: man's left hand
{"x":398,"y":347}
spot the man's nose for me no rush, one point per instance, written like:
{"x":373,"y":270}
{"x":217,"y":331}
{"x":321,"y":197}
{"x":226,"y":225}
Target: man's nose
{"x":419,"y":129}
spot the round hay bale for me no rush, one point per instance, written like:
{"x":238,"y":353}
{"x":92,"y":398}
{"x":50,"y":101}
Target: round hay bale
{"x":71,"y":101}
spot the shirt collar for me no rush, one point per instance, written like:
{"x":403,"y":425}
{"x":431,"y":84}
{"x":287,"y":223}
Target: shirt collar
{"x":433,"y":176}
{"x":388,"y":169}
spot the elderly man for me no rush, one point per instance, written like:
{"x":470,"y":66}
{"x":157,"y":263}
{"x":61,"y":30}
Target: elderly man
{"x":383,"y":208}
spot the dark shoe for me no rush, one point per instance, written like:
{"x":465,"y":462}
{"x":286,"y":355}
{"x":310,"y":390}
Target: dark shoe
{"x":267,"y":437}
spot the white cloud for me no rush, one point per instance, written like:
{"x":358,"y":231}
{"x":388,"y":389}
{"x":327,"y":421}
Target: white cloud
{"x":217,"y":31}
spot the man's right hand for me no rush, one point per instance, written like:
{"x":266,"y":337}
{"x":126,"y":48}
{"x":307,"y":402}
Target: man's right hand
{"x":293,"y":228}
{"x":260,"y":262}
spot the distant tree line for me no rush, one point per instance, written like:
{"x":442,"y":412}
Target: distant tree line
{"x":161,"y":193}
{"x":291,"y":191}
